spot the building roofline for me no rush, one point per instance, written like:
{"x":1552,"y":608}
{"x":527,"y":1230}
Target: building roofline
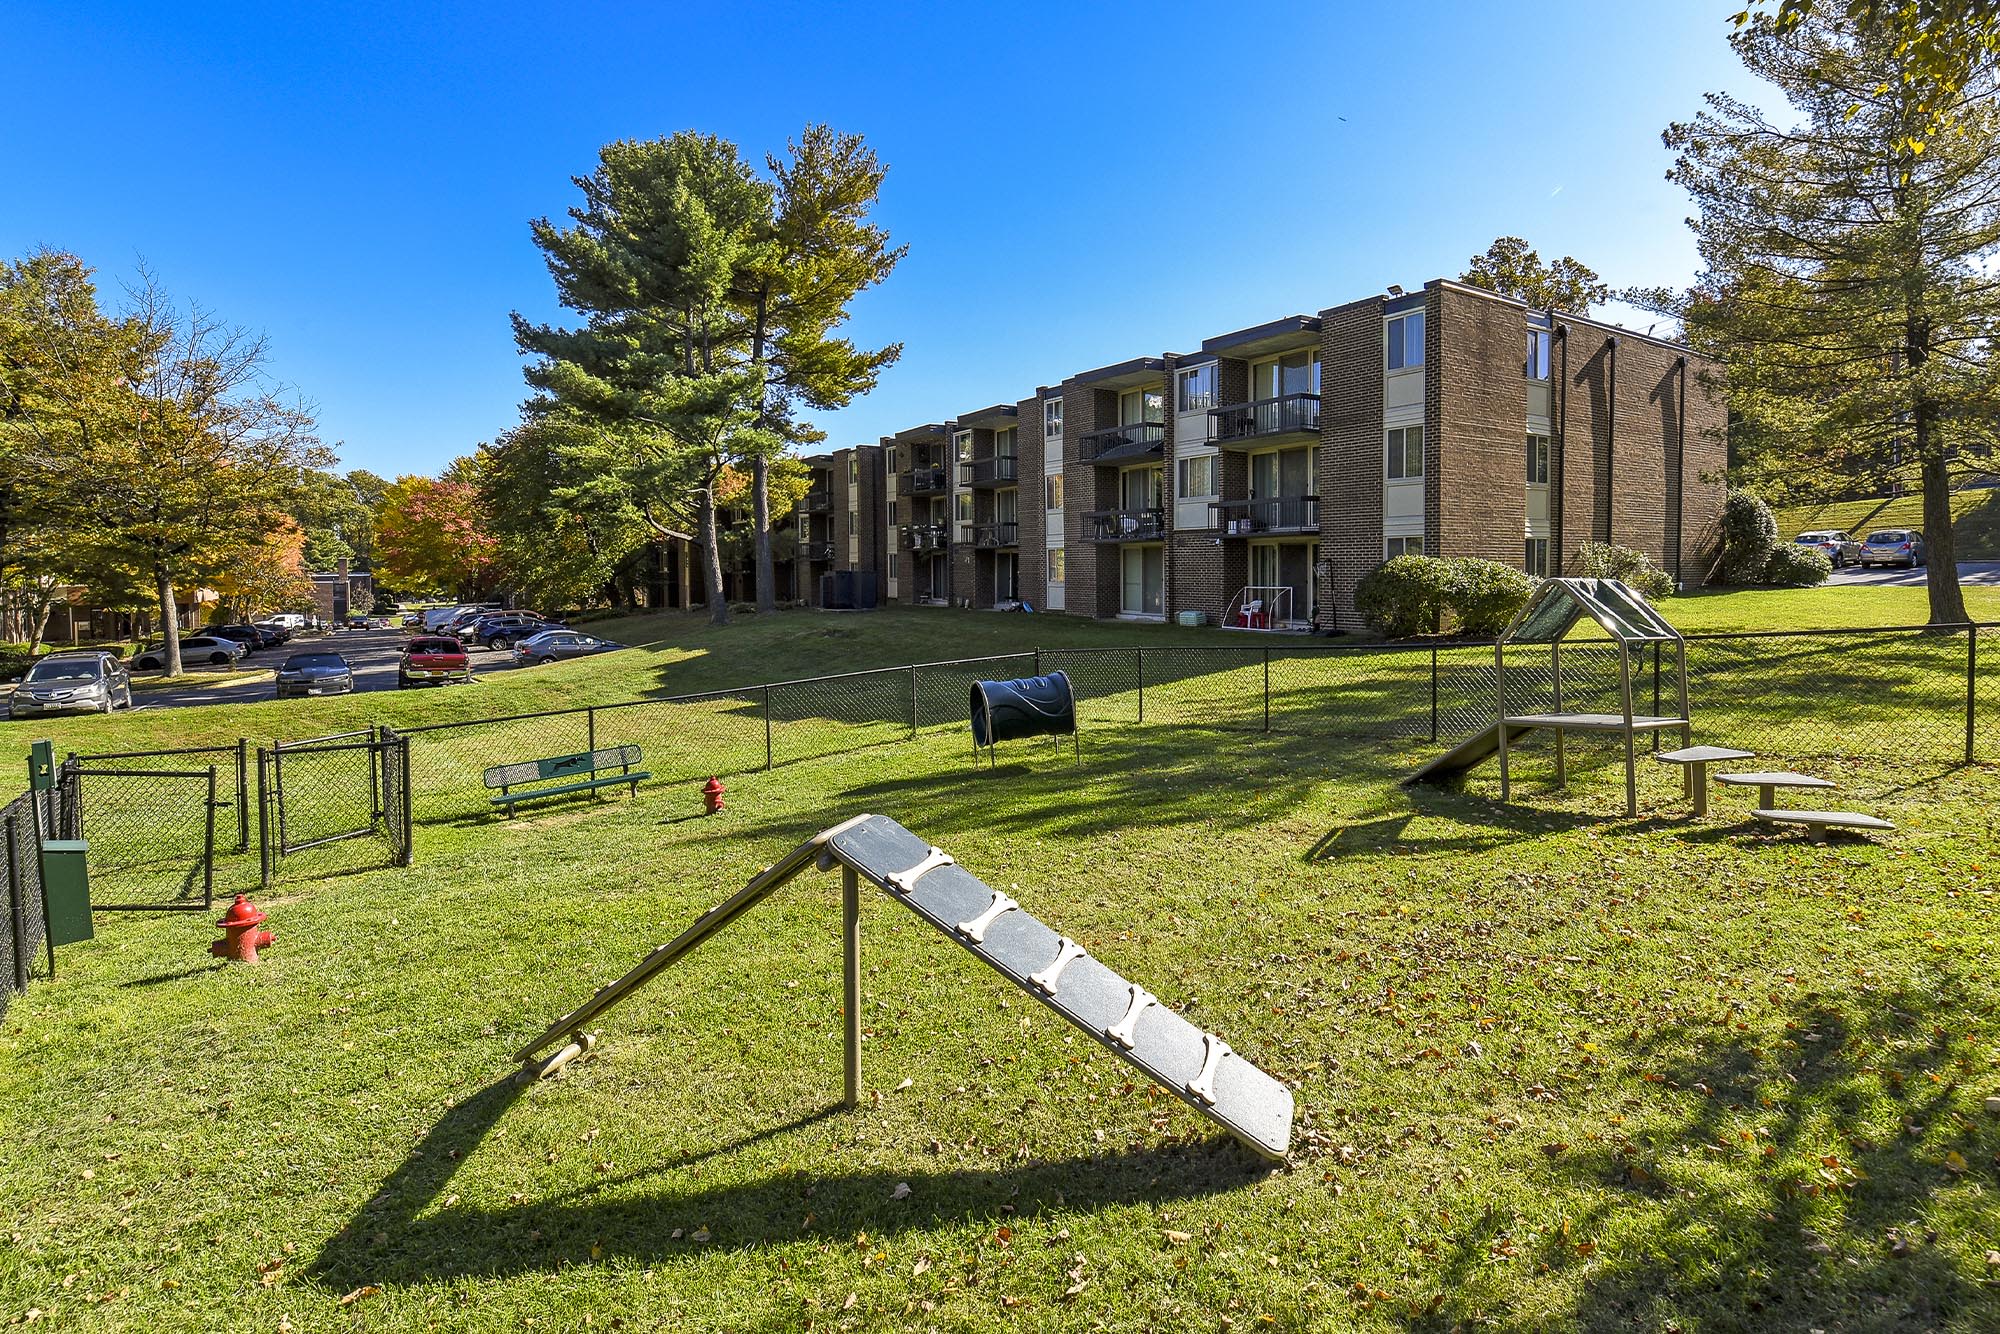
{"x":1258,"y":333}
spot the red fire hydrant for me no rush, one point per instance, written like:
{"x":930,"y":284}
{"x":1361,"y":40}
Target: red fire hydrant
{"x":711,"y":795}
{"x":242,"y":932}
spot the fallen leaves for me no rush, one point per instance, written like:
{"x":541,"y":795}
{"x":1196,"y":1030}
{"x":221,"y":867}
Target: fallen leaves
{"x":360,"y":1294}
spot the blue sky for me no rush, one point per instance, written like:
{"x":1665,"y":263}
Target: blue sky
{"x":1077,"y":184}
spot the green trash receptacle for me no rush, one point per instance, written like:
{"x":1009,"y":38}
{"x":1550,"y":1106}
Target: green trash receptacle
{"x":66,"y":891}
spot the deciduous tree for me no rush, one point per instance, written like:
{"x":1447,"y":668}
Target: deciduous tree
{"x":432,"y":534}
{"x":1512,"y":268}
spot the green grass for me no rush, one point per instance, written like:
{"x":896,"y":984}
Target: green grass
{"x":1828,"y":607}
{"x":1554,"y":1068}
{"x":1975,"y":519}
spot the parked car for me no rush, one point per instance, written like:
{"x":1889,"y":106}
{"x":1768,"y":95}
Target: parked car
{"x":211,"y":649}
{"x":66,"y":682}
{"x":503,"y":630}
{"x":315,"y":674}
{"x":291,"y":620}
{"x":553,"y":645}
{"x":249,"y":636}
{"x":433,"y":660}
{"x":1894,"y":546}
{"x":1835,"y":545}
{"x":278,"y":631}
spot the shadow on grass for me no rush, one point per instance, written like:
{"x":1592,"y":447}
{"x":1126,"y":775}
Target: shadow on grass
{"x":400,"y":1237}
{"x":1791,"y":1189}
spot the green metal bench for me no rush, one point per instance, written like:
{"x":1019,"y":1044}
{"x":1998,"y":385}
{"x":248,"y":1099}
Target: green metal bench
{"x":560,"y":774}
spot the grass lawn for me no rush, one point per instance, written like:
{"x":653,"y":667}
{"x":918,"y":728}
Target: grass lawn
{"x":1975,"y":519}
{"x":1554,"y":1068}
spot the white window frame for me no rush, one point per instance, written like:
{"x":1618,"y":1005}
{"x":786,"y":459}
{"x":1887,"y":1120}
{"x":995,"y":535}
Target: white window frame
{"x":1052,"y":418}
{"x":1202,"y":402}
{"x":1052,"y":492}
{"x":1540,"y":347}
{"x":1528,"y":561}
{"x":1390,"y":340}
{"x":1058,"y":566}
{"x":1402,"y":546}
{"x":1397,"y":438}
{"x":1533,"y":480}
{"x":1213,"y":463}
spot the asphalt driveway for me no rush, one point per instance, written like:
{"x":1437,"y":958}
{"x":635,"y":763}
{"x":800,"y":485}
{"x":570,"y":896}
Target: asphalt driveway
{"x":1970,"y":572}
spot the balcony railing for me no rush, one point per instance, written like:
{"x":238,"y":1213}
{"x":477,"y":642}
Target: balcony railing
{"x":1000,"y":470}
{"x":992,"y":536}
{"x":1141,"y":525}
{"x":926,"y":481}
{"x":1276,"y":514}
{"x":926,"y":536}
{"x":1118,"y":444}
{"x":816,"y":551}
{"x":817,"y":502}
{"x":1291,"y":414}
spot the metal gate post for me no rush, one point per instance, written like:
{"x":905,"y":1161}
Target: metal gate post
{"x":1267,"y":687}
{"x":409,"y":831}
{"x":1971,"y":686}
{"x":208,"y":847}
{"x":1434,"y":693}
{"x":242,"y":794}
{"x":374,"y":775}
{"x":264,"y":858}
{"x":18,"y":909}
{"x":850,"y":953}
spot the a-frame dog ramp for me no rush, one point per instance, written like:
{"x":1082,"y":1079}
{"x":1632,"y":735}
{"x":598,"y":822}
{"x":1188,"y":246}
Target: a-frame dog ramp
{"x":1196,"y":1066}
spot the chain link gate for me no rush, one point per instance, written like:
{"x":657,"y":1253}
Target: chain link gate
{"x":150,"y":832}
{"x":332,"y":789}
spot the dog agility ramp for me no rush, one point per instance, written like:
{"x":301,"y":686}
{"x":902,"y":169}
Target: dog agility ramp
{"x":1196,"y":1066}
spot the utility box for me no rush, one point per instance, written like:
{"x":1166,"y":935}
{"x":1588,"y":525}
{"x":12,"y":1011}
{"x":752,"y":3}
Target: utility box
{"x":66,"y":891}
{"x":41,"y":766}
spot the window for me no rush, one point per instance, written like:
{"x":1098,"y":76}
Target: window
{"x":961,"y":445}
{"x":1402,"y":546}
{"x":1197,"y":389}
{"x":1004,"y":443}
{"x":1198,"y":476}
{"x":1007,"y":505}
{"x":1406,"y":452}
{"x":1141,"y":405}
{"x":1139,"y":488}
{"x":1057,"y":565}
{"x":1143,"y":581}
{"x":1295,"y":373}
{"x":891,"y":457}
{"x":853,"y":470}
{"x":1052,"y":418}
{"x":892,"y":514}
{"x":1538,"y":354}
{"x":963,"y":506}
{"x":1536,"y":561}
{"x":1052,"y":492}
{"x":894,"y":563}
{"x":1538,"y":460}
{"x":1285,"y":472}
{"x":1406,"y":341}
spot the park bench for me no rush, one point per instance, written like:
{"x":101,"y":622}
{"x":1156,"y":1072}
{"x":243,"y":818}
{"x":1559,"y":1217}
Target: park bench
{"x":1818,"y":822}
{"x":556,"y":775}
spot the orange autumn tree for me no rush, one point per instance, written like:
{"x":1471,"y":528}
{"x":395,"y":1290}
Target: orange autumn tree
{"x":431,"y":535}
{"x":267,"y":576}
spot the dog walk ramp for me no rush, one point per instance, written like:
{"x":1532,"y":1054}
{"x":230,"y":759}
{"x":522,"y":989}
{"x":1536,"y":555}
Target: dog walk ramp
{"x":1196,"y":1066}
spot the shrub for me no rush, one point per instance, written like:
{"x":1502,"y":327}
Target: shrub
{"x":1484,"y":594}
{"x":1635,"y":569}
{"x":1749,"y":536}
{"x":1404,"y":596}
{"x":1797,"y":567}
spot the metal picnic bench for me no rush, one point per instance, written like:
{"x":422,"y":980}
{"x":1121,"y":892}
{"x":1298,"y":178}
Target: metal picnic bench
{"x":559,"y":774}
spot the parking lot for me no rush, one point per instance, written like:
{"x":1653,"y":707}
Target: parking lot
{"x":371,"y":653}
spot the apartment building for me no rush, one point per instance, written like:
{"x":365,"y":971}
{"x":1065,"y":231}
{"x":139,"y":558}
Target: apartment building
{"x":1258,"y":478}
{"x":840,"y":521}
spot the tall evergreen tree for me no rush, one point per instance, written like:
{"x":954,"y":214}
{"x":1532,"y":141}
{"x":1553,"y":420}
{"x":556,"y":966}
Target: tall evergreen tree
{"x":1846,"y":280}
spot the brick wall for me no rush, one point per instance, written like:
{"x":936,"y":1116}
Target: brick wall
{"x":1350,"y":455}
{"x":1476,"y":504}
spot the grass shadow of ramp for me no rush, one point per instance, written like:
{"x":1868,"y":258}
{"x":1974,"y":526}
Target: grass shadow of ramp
{"x":667,"y":1213}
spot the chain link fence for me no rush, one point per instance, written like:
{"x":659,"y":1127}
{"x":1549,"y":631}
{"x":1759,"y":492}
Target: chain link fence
{"x":151,"y":833}
{"x":333,"y":789}
{"x":24,"y":935}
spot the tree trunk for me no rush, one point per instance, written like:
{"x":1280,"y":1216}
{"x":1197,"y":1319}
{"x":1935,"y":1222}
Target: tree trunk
{"x":170,"y":622}
{"x":760,"y":490}
{"x":711,"y":561}
{"x":1940,"y":547}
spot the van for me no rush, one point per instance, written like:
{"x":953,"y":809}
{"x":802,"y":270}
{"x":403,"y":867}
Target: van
{"x":291,"y":620}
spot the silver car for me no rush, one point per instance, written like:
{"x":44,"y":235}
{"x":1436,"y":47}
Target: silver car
{"x":1835,"y":545}
{"x":69,"y":682}
{"x":1894,"y":546}
{"x":194,"y":649}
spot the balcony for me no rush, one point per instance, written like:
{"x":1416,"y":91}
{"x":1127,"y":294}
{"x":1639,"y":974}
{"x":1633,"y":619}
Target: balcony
{"x":1278,"y":514}
{"x":817,"y":502}
{"x":928,"y":480}
{"x":1141,"y":525}
{"x":926,"y":536}
{"x":1130,"y":443}
{"x":817,"y":552}
{"x":1000,"y":470}
{"x":995,"y":536}
{"x":1266,"y":420}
